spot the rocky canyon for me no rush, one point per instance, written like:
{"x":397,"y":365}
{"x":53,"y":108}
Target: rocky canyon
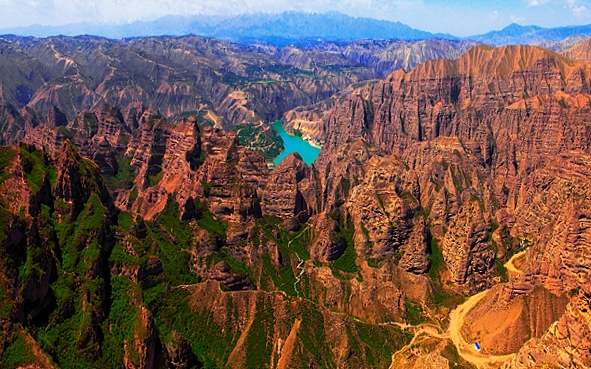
{"x":143,"y":224}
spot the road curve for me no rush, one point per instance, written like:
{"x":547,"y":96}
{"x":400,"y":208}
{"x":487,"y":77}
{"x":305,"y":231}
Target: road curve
{"x":466,"y":349}
{"x":457,"y":318}
{"x":510,"y":265}
{"x":300,"y":265}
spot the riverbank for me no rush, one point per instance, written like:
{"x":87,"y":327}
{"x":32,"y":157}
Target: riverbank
{"x":309,"y":151}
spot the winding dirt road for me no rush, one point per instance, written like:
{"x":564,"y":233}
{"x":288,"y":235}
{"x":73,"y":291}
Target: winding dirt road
{"x":510,"y":265}
{"x":457,"y":318}
{"x":300,"y":264}
{"x":465,"y":349}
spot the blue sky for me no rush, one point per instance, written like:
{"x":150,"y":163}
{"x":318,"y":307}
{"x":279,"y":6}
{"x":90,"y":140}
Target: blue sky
{"x":458,"y":17}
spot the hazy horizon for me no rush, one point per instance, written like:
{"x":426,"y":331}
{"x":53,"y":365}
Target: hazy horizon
{"x":457,"y":17}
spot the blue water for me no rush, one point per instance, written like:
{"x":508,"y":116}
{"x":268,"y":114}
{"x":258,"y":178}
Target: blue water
{"x":291,"y":144}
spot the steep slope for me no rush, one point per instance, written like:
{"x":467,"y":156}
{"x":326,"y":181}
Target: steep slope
{"x":580,"y":51}
{"x":86,"y":284}
{"x":498,"y":141}
{"x":385,"y":56}
{"x":427,"y":183}
{"x":170,"y":75}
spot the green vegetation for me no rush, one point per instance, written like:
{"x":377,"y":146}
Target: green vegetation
{"x":6,"y":157}
{"x":236,"y":266}
{"x":207,"y":186}
{"x":64,"y":131}
{"x":414,"y":312}
{"x":81,"y":250}
{"x":437,"y":185}
{"x":311,"y":337}
{"x":259,"y":347}
{"x":261,"y":138}
{"x":473,"y":198}
{"x":133,"y":195}
{"x":18,"y":354}
{"x":124,"y":320}
{"x":436,"y":258}
{"x":299,"y":242}
{"x":381,"y":342}
{"x":124,"y":177}
{"x":425,"y":213}
{"x":154,"y":173}
{"x":381,"y":202}
{"x":373,"y":263}
{"x":347,"y":261}
{"x":283,"y":279}
{"x":172,"y":252}
{"x":125,"y":220}
{"x":213,"y":226}
{"x":153,"y":180}
{"x":211,"y":343}
{"x":99,"y":310}
{"x":445,"y":299}
{"x":450,"y":352}
{"x":501,"y":270}
{"x":346,"y":186}
{"x":36,"y":167}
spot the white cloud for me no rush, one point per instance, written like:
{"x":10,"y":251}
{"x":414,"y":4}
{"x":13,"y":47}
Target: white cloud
{"x":516,"y":19}
{"x":580,"y":11}
{"x":494,"y":16}
{"x":536,"y":2}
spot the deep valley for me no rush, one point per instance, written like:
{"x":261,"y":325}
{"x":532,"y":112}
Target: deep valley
{"x":143,"y":223}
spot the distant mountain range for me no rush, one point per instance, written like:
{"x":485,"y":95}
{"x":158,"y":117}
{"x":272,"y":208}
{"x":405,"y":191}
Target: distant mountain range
{"x":517,"y":34}
{"x":301,"y":28}
{"x":273,"y":28}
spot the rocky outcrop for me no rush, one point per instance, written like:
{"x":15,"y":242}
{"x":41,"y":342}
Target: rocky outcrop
{"x":414,"y":115}
{"x":77,"y":179}
{"x":169,"y":74}
{"x":180,"y":353}
{"x":503,"y":325}
{"x":291,"y":188}
{"x":579,"y":51}
{"x":241,"y":313}
{"x":383,"y":56}
{"x":386,"y":214}
{"x":222,"y":272}
{"x":566,"y":343}
{"x":466,"y":248}
{"x":64,"y":230}
{"x":327,"y":243}
{"x":308,"y":121}
{"x":497,"y":144}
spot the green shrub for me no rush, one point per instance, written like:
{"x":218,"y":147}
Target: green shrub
{"x":7,"y":156}
{"x":436,"y":258}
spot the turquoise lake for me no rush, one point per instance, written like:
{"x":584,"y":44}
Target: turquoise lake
{"x":291,"y":144}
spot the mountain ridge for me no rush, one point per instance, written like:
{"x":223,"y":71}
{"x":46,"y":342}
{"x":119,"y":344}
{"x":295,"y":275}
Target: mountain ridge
{"x":531,"y":34}
{"x":294,"y":27}
{"x":134,"y":240}
{"x":261,"y":26}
